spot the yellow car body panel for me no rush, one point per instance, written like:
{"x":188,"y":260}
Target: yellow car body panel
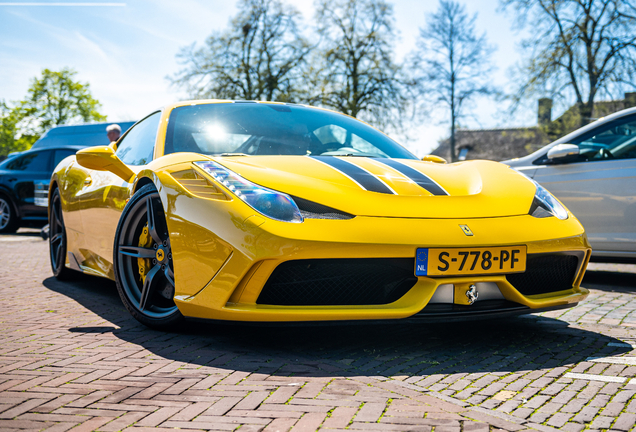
{"x":224,"y":251}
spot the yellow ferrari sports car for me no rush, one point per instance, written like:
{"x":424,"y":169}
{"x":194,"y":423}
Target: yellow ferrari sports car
{"x":272,"y":212}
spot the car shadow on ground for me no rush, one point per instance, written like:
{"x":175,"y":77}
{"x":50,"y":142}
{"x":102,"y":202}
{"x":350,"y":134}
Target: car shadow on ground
{"x":22,"y":233}
{"x":610,"y":281}
{"x":516,"y":344}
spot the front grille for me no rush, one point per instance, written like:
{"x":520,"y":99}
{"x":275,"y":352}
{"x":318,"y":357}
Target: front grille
{"x":330,"y":282}
{"x":545,"y":273}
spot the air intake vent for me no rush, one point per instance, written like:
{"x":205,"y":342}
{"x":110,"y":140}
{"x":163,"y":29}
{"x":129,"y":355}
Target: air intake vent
{"x":545,"y":273}
{"x":328,"y":282}
{"x":312,"y":210}
{"x":198,"y":185}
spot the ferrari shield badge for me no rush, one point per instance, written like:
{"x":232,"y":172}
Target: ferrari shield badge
{"x":466,"y":230}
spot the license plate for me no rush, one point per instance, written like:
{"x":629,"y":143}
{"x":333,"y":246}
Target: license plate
{"x":469,"y":261}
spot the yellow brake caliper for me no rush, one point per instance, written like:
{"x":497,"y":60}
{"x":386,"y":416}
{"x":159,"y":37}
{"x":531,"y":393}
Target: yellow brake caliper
{"x":145,"y":241}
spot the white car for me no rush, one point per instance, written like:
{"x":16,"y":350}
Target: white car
{"x":593,"y":172}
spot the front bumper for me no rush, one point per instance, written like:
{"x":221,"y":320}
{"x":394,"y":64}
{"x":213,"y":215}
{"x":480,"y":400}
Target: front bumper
{"x":224,"y":255}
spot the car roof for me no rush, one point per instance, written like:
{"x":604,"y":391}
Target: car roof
{"x":90,"y":128}
{"x":86,"y":135}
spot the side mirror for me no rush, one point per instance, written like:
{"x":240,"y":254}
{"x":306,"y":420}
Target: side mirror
{"x":103,"y":158}
{"x":433,"y":158}
{"x":561,"y":152}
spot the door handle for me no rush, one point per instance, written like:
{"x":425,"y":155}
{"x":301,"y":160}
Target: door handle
{"x":88,"y":181}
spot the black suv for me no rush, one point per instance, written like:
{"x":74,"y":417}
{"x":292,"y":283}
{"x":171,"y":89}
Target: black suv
{"x":24,"y":186}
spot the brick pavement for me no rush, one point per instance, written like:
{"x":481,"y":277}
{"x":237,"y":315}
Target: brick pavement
{"x":71,"y":358}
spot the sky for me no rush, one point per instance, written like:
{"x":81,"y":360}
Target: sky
{"x":126,"y":49}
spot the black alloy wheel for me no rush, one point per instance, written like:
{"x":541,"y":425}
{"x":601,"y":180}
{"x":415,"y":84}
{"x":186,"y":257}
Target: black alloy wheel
{"x":57,"y":239}
{"x":143,"y":261}
{"x":8,"y":217}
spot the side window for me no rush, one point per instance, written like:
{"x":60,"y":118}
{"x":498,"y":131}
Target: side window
{"x":36,"y":161}
{"x":137,"y":146}
{"x":61,"y":155}
{"x":614,"y":140}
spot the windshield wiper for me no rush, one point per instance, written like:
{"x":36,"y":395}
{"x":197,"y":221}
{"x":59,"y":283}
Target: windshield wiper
{"x":233,"y":154}
{"x":361,"y":154}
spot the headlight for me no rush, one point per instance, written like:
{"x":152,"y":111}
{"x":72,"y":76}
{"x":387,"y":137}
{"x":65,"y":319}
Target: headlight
{"x":546,"y":205}
{"x":268,"y":202}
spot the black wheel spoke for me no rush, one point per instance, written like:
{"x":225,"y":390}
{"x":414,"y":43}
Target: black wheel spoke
{"x":137,"y":252}
{"x":56,"y":211}
{"x":5,"y":213}
{"x":149,"y":285}
{"x":57,"y":237}
{"x":53,"y":221}
{"x":58,"y":255}
{"x":169,"y":275}
{"x":152,"y":226}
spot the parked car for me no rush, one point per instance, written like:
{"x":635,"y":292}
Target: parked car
{"x":24,"y":184}
{"x":247,"y":211}
{"x":593,"y":172}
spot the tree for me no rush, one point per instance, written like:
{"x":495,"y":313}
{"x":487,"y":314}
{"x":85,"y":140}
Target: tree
{"x":357,"y":75}
{"x":56,"y":99}
{"x":53,"y":99}
{"x":259,"y":57}
{"x":578,"y":49}
{"x":454,"y":62}
{"x":10,"y":139}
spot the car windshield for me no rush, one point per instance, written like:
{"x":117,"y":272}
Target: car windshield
{"x":248,"y":128}
{"x":616,"y":139}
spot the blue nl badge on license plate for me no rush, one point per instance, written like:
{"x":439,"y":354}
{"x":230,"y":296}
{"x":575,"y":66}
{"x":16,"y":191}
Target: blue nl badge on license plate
{"x":421,"y":262}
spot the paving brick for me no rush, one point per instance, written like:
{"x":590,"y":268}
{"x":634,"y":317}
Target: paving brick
{"x":22,"y":408}
{"x":159,"y":416}
{"x":280,"y":425}
{"x":309,"y":422}
{"x":123,"y":422}
{"x":625,"y":422}
{"x":586,"y":415}
{"x":559,"y":420}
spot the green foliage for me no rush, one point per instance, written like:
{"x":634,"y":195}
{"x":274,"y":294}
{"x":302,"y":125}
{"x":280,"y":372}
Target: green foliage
{"x":11,"y":139}
{"x":56,"y":99}
{"x":568,"y":122}
{"x":53,"y":99}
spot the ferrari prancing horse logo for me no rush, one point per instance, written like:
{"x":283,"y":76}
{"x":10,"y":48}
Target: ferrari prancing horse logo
{"x":160,"y":255}
{"x":466,"y":230}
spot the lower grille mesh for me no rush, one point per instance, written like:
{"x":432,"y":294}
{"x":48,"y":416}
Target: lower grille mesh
{"x":545,"y":273}
{"x":330,"y":282}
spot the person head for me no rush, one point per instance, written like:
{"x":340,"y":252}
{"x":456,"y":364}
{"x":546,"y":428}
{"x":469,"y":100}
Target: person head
{"x":113,"y":131}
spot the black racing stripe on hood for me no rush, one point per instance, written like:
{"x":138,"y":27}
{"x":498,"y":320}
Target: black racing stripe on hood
{"x":365,"y":179}
{"x":422,"y":180}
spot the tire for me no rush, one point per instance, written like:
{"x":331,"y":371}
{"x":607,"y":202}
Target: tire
{"x":144,"y":272}
{"x":57,"y":239}
{"x":9,"y":220}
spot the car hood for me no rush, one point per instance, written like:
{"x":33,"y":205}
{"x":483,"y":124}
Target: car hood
{"x":392,"y":187}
